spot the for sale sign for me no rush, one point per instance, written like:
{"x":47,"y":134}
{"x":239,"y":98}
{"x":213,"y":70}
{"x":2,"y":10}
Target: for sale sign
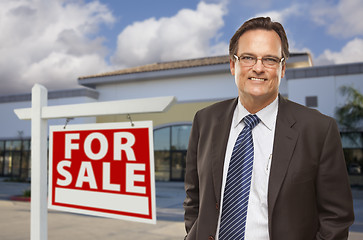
{"x":104,"y":170}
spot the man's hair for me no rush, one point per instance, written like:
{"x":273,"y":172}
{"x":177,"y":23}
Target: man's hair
{"x":264,"y":23}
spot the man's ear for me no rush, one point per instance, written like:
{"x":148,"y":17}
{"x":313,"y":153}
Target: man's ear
{"x":232,"y":65}
{"x":283,"y":70}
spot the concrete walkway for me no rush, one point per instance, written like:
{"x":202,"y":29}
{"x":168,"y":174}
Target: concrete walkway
{"x":15,"y":218}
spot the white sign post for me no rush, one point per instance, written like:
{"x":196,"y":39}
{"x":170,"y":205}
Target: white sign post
{"x":39,"y":113}
{"x":38,"y":210}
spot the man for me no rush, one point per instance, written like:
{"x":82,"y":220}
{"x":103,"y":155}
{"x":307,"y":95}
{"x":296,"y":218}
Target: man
{"x":298,"y":186}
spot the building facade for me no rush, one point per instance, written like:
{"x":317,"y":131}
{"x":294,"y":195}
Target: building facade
{"x":320,"y":88}
{"x":195,"y":83}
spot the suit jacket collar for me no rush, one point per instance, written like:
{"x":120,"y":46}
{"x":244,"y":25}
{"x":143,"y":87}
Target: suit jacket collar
{"x":221,"y":130}
{"x":284,"y":144}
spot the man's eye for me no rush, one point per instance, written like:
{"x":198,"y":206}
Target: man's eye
{"x":248,"y":58}
{"x":270,"y":60}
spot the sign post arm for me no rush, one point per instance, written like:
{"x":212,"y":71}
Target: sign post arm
{"x":38,"y":212}
{"x":39,"y":114}
{"x":131,"y":106}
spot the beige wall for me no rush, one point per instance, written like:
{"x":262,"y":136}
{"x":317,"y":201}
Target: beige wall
{"x":179,"y":112}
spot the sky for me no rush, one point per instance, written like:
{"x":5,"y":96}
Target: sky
{"x":55,"y":42}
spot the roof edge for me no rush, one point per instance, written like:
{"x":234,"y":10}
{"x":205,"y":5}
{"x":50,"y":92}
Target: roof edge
{"x":326,"y":70}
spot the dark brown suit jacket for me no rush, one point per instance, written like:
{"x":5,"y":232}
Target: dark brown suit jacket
{"x":309,"y":196}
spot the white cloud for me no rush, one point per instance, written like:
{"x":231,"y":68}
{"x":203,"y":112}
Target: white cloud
{"x":282,"y":15}
{"x":50,"y":42}
{"x":186,"y":35}
{"x":64,"y":68}
{"x":351,"y":52}
{"x":342,"y":20}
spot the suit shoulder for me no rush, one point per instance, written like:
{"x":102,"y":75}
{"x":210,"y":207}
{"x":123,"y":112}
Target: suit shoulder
{"x":218,"y":107}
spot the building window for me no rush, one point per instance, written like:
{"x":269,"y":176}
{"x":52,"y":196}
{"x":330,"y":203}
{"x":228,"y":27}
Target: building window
{"x":311,"y":101}
{"x":170,"y":147}
{"x":353,"y":152}
{"x":15,"y":159}
{"x":180,"y":137}
{"x":162,"y":154}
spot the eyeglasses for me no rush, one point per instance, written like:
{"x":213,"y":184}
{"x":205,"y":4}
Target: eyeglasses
{"x":249,"y":61}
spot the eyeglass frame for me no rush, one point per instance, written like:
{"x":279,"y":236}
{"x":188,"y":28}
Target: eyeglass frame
{"x":278,"y":60}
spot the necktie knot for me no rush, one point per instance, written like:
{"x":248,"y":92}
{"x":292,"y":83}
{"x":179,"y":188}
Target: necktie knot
{"x":251,"y":120}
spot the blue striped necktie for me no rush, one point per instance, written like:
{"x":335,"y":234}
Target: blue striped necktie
{"x":237,"y":190}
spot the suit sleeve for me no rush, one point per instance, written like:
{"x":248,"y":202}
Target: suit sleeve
{"x":191,"y":202}
{"x":335,"y":204}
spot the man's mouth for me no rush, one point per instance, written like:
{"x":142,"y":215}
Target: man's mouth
{"x":258,"y":79}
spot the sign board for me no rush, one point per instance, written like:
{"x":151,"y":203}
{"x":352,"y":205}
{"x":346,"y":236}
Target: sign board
{"x":104,"y":169}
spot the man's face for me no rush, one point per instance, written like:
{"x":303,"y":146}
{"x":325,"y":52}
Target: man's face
{"x":257,"y":83}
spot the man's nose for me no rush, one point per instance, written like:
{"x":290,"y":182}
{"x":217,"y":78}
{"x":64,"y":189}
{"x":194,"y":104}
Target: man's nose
{"x":258,"y":67}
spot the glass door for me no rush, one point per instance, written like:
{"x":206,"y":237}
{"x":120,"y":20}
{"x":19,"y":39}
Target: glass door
{"x":178,"y":165}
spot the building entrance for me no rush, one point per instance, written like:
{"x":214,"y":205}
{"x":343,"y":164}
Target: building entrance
{"x":177,"y":165}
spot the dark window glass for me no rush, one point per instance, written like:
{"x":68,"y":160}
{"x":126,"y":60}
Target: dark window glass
{"x":25,"y":165}
{"x":13,"y":145}
{"x":352,"y":140}
{"x":162,"y":139}
{"x":162,"y":165}
{"x":178,"y":165}
{"x":311,"y":101}
{"x":15,"y":163}
{"x":170,"y":145}
{"x":354,"y":158}
{"x":180,"y":137}
{"x":1,"y":163}
{"x":26,"y":144}
{"x":7,"y":164}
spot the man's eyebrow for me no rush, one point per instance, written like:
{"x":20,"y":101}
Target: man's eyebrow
{"x":273,"y":56}
{"x":251,"y":54}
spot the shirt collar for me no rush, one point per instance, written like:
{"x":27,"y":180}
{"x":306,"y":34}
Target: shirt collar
{"x":267,"y":115}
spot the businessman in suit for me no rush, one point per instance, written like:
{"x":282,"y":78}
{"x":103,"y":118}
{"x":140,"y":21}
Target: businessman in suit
{"x":298,"y":187}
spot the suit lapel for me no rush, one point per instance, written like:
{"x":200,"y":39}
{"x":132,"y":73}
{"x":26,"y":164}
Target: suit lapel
{"x":221,"y":131}
{"x":284,"y":145}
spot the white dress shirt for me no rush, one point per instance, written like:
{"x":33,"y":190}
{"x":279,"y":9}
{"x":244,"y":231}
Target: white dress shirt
{"x":263,"y":137}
